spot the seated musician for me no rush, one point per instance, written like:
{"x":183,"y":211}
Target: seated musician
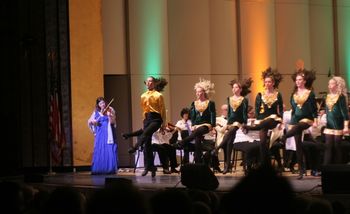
{"x":167,"y":153}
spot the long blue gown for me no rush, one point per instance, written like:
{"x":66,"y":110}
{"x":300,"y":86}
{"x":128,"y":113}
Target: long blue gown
{"x":105,"y":159}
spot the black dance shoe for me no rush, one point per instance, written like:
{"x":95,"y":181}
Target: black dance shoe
{"x":178,"y":145}
{"x":173,"y":170}
{"x":279,"y":170}
{"x":132,"y":150}
{"x":301,"y":174}
{"x":289,"y":165}
{"x":227,"y":169}
{"x":125,"y":136}
{"x":215,"y":152}
{"x":315,"y":173}
{"x":217,"y":169}
{"x":166,"y":171}
{"x":153,"y":171}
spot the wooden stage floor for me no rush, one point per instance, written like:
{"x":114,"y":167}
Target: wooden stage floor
{"x":86,"y":181}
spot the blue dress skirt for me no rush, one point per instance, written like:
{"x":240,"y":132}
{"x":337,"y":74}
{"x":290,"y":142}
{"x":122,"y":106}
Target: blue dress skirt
{"x":105,"y":159}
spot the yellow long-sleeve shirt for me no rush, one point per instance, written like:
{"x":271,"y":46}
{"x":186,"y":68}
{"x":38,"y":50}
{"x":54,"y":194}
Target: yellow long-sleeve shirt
{"x":153,"y":101}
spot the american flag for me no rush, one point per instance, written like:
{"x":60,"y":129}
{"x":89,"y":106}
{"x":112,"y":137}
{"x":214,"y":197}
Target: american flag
{"x":57,"y":136}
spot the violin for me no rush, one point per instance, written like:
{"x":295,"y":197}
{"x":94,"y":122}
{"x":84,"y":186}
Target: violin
{"x":108,"y":108}
{"x":173,"y":127}
{"x":95,"y":122}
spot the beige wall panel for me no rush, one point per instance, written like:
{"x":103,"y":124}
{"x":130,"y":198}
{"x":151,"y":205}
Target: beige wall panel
{"x":113,"y":30}
{"x":258,"y":40}
{"x":148,"y":37}
{"x":321,"y":42}
{"x":136,"y":91}
{"x":223,"y":38}
{"x":148,"y":50}
{"x":293,"y":40}
{"x":86,"y":72}
{"x":189,"y":37}
{"x":292,"y":34}
{"x":344,"y":39}
{"x":189,"y":50}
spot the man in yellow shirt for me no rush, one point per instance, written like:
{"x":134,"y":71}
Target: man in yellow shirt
{"x":152,"y":103}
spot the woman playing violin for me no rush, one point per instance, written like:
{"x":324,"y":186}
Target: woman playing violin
{"x":102,"y":123}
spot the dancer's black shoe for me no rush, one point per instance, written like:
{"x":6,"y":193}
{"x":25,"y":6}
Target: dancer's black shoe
{"x":132,"y":150}
{"x":166,"y":171}
{"x":302,"y":172}
{"x":173,"y":170}
{"x":153,"y":171}
{"x":178,"y":145}
{"x":227,"y":169}
{"x":315,"y":173}
{"x":125,"y":136}
{"x":215,"y":152}
{"x":217,"y":169}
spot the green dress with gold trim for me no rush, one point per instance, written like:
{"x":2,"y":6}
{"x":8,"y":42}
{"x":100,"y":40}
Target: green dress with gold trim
{"x":337,"y":114}
{"x":304,"y":107}
{"x":269,"y":106}
{"x":203,"y":113}
{"x":237,"y":111}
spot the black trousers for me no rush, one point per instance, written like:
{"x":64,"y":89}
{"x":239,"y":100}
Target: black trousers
{"x":263,"y":128}
{"x":187,"y":148}
{"x":197,"y":135}
{"x":227,"y":145}
{"x":167,"y":154}
{"x":297,"y":131}
{"x":251,"y":152}
{"x":151,"y":124}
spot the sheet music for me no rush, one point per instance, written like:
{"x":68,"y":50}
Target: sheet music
{"x":250,"y":137}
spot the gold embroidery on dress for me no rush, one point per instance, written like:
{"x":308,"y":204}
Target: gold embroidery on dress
{"x":201,"y":106}
{"x":235,"y":103}
{"x":262,"y":110}
{"x":300,"y":99}
{"x":331,"y":100}
{"x":269,"y":99}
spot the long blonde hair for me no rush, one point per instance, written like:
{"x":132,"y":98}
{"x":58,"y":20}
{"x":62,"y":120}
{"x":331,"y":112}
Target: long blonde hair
{"x":206,"y":85}
{"x":341,"y":86}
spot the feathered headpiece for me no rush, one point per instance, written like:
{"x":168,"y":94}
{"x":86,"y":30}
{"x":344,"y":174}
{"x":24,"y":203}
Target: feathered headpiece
{"x":206,"y":85}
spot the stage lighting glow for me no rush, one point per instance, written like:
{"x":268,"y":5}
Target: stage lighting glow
{"x":152,"y":29}
{"x":344,"y":35}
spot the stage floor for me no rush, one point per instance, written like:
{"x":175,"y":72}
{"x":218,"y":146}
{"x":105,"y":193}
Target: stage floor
{"x":88,"y":184}
{"x":86,"y":181}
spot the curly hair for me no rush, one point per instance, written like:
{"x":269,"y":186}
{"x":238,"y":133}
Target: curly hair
{"x":159,"y":83}
{"x":243,"y":84}
{"x":184,"y":111}
{"x":309,"y":77}
{"x":273,"y":74}
{"x":341,"y":86}
{"x":206,"y":85}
